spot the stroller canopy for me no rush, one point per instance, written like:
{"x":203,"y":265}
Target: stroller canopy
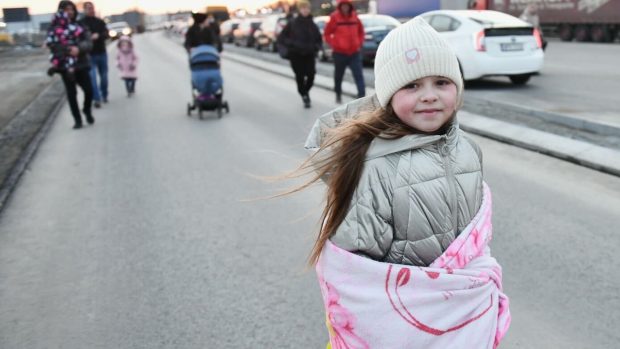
{"x":204,"y":54}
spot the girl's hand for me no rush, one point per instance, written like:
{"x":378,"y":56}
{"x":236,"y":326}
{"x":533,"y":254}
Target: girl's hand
{"x":74,"y":51}
{"x":132,"y":67}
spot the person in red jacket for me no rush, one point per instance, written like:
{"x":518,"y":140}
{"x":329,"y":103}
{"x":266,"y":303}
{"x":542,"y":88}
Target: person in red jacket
{"x":345,"y":34}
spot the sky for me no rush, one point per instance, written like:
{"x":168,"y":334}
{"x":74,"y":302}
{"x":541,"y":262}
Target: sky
{"x":106,"y":7}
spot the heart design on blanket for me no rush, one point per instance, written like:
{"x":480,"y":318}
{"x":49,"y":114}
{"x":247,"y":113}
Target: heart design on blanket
{"x":403,"y":277}
{"x":432,"y":274}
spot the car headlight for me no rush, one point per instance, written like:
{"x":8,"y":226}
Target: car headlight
{"x":126,"y":31}
{"x":112,"y":33}
{"x":368,"y":37}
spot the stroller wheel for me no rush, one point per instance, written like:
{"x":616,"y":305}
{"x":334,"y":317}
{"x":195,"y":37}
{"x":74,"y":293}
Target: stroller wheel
{"x":226,"y":107}
{"x":189,"y":109}
{"x":200,"y":113}
{"x":219,"y":112}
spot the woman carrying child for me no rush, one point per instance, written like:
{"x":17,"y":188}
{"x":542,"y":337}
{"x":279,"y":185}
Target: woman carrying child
{"x":70,"y":45}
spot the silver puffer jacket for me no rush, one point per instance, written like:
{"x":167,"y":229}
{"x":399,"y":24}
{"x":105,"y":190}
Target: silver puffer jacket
{"x":415,"y":194}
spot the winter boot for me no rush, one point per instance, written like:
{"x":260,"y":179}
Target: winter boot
{"x":89,"y":117}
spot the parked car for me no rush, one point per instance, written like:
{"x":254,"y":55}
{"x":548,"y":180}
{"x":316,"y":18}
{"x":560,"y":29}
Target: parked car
{"x":267,"y":34}
{"x":227,"y":28}
{"x":326,"y":53}
{"x":376,"y":27}
{"x":490,"y":43}
{"x":244,"y":34}
{"x":118,"y":29}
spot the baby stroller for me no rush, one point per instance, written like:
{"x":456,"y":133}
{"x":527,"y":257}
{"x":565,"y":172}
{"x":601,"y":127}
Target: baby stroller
{"x":207,"y":84}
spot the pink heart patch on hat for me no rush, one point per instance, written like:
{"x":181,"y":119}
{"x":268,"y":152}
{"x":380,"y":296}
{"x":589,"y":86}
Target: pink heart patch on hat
{"x":412,"y":55}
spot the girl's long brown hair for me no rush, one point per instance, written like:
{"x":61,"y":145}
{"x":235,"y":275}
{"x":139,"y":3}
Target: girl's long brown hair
{"x":340,"y":161}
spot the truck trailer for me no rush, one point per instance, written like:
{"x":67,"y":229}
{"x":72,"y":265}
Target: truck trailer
{"x":405,"y":9}
{"x":582,"y":20}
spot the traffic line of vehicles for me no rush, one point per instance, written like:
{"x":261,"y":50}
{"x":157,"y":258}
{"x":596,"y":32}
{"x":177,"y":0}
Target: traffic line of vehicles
{"x":487,"y":43}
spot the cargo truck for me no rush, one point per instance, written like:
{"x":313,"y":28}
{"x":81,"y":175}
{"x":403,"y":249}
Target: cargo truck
{"x":582,"y":20}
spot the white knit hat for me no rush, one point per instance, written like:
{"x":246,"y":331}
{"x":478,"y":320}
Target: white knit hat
{"x":412,"y":51}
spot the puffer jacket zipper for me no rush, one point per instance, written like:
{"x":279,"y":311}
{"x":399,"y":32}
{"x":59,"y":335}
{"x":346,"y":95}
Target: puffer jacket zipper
{"x":444,"y":151}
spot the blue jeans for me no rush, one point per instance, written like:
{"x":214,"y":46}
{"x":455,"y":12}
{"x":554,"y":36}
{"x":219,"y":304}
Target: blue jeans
{"x":354,"y":62}
{"x":130,"y":85}
{"x":99,"y":63}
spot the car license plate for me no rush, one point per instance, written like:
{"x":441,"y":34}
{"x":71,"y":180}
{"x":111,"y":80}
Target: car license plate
{"x":515,"y":46}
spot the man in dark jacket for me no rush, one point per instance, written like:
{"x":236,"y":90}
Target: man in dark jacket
{"x":345,"y":34}
{"x":302,"y":38}
{"x":80,"y":72}
{"x":199,"y":33}
{"x":98,"y":55}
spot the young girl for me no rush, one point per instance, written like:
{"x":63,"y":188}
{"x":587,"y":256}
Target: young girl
{"x":127,"y":63}
{"x":402,"y":254}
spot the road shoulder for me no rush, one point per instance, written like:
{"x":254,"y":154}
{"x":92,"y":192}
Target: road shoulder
{"x":583,"y":153}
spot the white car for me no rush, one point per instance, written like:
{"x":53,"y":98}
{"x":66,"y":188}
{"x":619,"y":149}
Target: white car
{"x":118,"y":29}
{"x":490,"y":43}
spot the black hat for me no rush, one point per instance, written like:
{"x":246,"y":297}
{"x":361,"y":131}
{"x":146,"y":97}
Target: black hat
{"x":64,"y":3}
{"x":199,"y":17}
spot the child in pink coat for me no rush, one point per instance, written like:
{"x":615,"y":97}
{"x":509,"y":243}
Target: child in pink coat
{"x":127,"y":64}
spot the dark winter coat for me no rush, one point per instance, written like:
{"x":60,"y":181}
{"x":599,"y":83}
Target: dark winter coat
{"x":59,"y":42}
{"x":196,"y":36}
{"x":96,"y":25}
{"x":215,"y":31}
{"x":301,"y":36}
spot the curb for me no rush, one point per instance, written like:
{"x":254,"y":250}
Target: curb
{"x":582,"y":153}
{"x":598,"y":127}
{"x":26,"y":155}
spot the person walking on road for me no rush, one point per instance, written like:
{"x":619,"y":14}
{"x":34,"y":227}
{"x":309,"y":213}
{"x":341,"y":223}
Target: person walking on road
{"x":345,"y":34}
{"x":199,"y":33}
{"x":61,"y":34}
{"x":302,"y":38}
{"x":80,"y":72}
{"x":402,"y":254}
{"x":98,"y":55}
{"x":127,"y":64}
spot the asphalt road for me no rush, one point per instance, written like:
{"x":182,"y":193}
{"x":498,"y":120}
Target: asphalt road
{"x":148,"y":229}
{"x":578,"y":79}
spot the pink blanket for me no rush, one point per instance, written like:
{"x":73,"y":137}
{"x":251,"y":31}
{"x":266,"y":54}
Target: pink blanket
{"x":456,"y":302}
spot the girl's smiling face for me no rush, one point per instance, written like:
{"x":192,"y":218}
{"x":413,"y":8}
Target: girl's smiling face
{"x":426,"y":104}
